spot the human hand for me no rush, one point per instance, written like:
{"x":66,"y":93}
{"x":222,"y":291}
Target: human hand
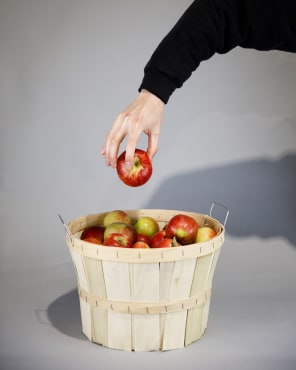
{"x":143,"y":115}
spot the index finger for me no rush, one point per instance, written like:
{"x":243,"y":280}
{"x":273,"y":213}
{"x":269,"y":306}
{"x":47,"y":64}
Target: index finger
{"x":112,"y":143}
{"x":152,"y":148}
{"x":131,"y":147}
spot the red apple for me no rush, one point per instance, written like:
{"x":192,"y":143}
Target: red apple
{"x":140,"y":244}
{"x":139,"y":173}
{"x":147,"y":226}
{"x":168,"y":243}
{"x":143,"y":238}
{"x":122,"y":228}
{"x":118,"y":240}
{"x":183,"y":227}
{"x":165,"y":243}
{"x":205,"y":233}
{"x":116,"y":215}
{"x":93,"y":234}
{"x":157,"y":238}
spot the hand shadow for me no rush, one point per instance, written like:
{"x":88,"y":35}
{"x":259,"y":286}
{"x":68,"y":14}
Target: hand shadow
{"x":260,"y":194}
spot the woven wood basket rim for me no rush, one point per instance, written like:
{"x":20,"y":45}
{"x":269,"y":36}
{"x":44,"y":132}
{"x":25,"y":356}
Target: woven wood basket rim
{"x":153,"y":255}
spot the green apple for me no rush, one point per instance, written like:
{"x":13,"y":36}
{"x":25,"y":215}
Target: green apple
{"x":146,"y":225}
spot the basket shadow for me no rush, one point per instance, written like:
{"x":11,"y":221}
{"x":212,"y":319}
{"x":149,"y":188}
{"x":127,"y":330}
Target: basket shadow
{"x":64,"y":315}
{"x":260,"y":194}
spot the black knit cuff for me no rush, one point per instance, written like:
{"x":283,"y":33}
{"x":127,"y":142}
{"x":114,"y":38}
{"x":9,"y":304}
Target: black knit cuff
{"x":159,"y":85}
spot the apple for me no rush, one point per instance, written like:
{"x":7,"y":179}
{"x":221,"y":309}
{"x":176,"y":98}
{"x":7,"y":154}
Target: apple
{"x":93,"y":234}
{"x":147,"y":226}
{"x":116,"y":215}
{"x":143,"y":238}
{"x":205,"y":233}
{"x":139,"y":173}
{"x":122,"y":228}
{"x":183,"y":227}
{"x":165,"y":243}
{"x":168,"y":243}
{"x":157,"y":238}
{"x":118,"y":240}
{"x":139,"y":244}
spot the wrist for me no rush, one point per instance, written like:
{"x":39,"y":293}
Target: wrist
{"x":145,"y":92}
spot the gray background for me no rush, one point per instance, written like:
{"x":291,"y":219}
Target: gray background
{"x":67,"y":68}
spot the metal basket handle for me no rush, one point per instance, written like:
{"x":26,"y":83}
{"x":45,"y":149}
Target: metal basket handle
{"x":220,"y":205}
{"x":67,"y":231}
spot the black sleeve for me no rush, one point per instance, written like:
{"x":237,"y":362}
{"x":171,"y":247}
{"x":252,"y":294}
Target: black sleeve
{"x":217,"y":26}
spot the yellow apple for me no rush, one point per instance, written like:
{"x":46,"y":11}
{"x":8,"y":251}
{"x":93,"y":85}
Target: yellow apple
{"x":205,"y":233}
{"x":117,"y":215}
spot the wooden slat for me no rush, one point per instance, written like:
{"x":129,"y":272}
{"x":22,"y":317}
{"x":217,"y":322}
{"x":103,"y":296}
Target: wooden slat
{"x":85,"y":309}
{"x":118,"y":288}
{"x":96,"y":283}
{"x":145,"y":287}
{"x":175,"y":323}
{"x":194,"y":328}
{"x":206,"y":309}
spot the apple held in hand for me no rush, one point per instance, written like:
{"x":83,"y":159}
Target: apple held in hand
{"x":93,"y":234}
{"x":139,"y":173}
{"x":146,"y":225}
{"x":183,"y":227}
{"x":116,"y":215}
{"x":205,"y":233}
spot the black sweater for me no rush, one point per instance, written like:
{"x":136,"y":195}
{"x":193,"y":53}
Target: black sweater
{"x":217,"y":26}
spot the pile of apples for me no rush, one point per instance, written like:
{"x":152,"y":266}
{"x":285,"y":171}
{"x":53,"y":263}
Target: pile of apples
{"x":118,"y":230}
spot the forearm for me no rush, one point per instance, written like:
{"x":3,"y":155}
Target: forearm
{"x":217,"y":26}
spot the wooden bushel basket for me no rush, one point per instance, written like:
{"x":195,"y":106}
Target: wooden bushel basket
{"x":144,"y":299}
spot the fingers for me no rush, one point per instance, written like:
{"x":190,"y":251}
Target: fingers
{"x":112,"y":142}
{"x":143,"y":115}
{"x":131,"y":146}
{"x":152,"y":148}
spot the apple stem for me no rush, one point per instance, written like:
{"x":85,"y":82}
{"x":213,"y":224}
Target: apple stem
{"x":174,"y":242}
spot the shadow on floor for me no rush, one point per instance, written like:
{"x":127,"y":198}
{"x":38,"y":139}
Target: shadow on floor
{"x":261,"y":197}
{"x":64,"y":315}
